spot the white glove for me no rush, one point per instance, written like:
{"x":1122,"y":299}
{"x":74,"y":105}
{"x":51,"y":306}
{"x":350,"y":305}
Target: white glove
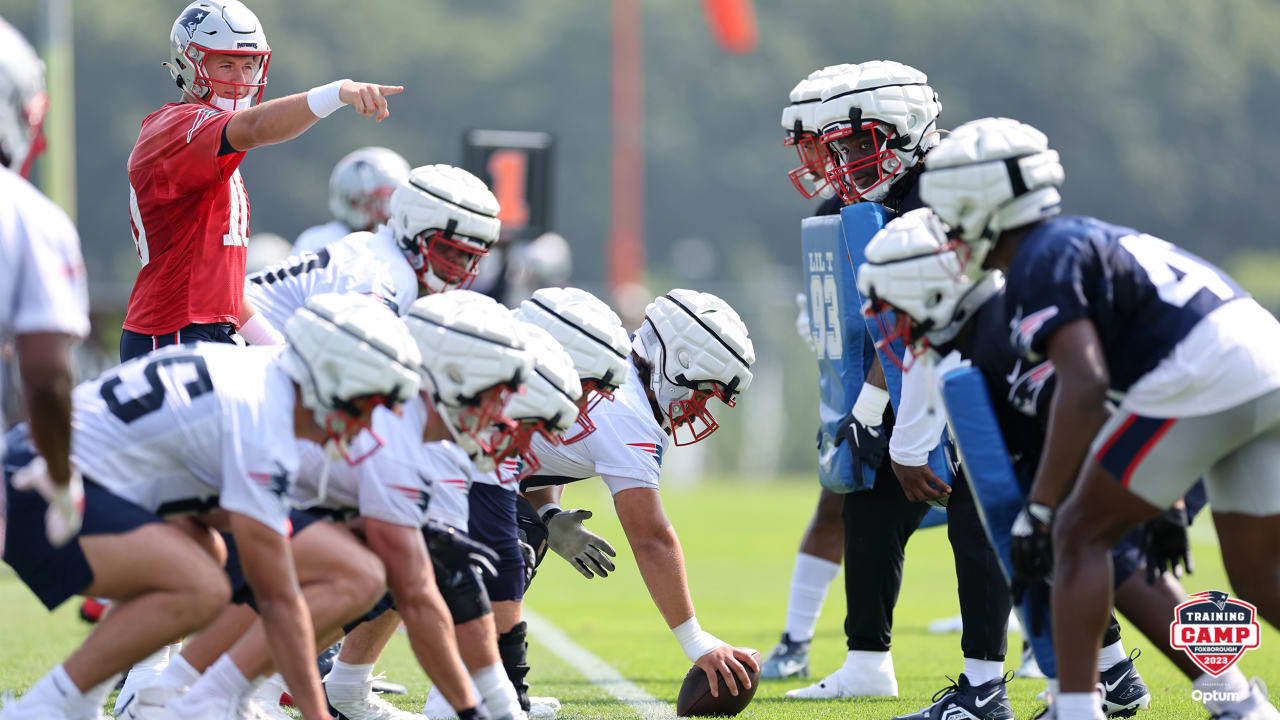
{"x":802,"y":321}
{"x":66,"y":504}
{"x":584,"y":550}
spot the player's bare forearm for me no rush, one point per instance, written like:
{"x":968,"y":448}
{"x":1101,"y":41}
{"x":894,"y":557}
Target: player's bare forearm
{"x":544,"y":496}
{"x":1077,"y":413}
{"x":274,"y":121}
{"x":412,"y":583}
{"x":657,"y":552}
{"x":875,"y":376}
{"x":44,"y":362}
{"x":268,"y":566}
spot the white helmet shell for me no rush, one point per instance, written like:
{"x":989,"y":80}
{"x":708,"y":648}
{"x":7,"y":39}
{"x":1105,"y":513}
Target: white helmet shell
{"x":551,"y":393}
{"x":694,"y":341}
{"x":888,"y":94}
{"x":23,"y":100}
{"x":361,"y":184}
{"x":342,"y":347}
{"x":226,"y":27}
{"x":438,"y":214}
{"x":587,"y":328}
{"x":469,"y":344}
{"x":991,"y":175}
{"x":799,"y":123}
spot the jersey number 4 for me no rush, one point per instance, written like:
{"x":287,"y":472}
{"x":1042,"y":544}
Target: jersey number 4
{"x":1176,"y":276}
{"x":130,"y":410}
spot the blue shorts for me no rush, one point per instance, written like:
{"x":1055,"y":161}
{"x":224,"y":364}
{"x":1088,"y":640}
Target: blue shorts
{"x":56,"y":574}
{"x":134,"y":344}
{"x":493,"y":522}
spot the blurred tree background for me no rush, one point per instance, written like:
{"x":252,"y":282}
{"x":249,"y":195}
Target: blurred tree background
{"x":1159,"y":110}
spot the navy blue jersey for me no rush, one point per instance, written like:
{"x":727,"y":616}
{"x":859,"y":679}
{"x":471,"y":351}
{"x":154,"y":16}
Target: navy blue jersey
{"x":1142,"y":294}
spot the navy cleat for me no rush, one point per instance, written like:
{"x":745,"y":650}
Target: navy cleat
{"x":789,"y":659}
{"x":962,"y":701}
{"x":1123,"y":692}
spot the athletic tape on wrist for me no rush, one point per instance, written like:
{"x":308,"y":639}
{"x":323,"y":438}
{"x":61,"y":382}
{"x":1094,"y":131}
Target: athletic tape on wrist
{"x":869,"y":408}
{"x":695,"y":641}
{"x":325,"y":99}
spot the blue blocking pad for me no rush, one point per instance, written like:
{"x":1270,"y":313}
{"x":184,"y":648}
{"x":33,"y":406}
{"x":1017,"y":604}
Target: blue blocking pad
{"x":985,"y":457}
{"x":860,"y":223}
{"x":844,"y":350}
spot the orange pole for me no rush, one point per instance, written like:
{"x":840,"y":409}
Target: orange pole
{"x":626,"y":237}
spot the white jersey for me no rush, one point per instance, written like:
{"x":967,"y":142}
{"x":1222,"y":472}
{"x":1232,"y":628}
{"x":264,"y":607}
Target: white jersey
{"x":186,"y":430}
{"x":452,"y":474}
{"x":42,"y":279}
{"x":362,"y":262}
{"x":625,"y":450}
{"x":317,"y":236}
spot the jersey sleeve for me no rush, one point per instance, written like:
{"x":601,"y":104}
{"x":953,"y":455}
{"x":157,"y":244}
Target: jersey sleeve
{"x":1055,"y":287}
{"x":185,"y":144}
{"x":51,"y":292}
{"x":626,"y":454}
{"x":391,"y":488}
{"x":259,"y":467}
{"x":920,"y":419}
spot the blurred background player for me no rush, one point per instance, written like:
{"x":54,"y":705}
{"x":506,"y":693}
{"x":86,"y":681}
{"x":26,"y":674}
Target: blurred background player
{"x":44,"y":301}
{"x":360,"y":188}
{"x":188,"y":208}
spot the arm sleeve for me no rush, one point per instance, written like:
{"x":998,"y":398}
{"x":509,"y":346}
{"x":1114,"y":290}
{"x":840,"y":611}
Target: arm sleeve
{"x":920,"y":419}
{"x":51,"y":287}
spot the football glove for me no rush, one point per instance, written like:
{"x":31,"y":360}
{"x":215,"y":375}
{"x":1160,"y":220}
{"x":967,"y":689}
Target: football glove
{"x":869,"y":444}
{"x":1166,"y":545}
{"x":584,"y":550}
{"x":1031,"y":545}
{"x":66,"y":504}
{"x":455,"y":550}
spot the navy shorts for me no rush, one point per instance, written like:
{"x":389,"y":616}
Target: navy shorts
{"x":56,"y":574}
{"x":134,"y":344}
{"x":241,"y":593}
{"x":493,"y":522}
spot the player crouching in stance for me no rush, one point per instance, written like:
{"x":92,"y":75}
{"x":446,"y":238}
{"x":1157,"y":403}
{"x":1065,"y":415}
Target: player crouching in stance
{"x":207,"y":431}
{"x":1120,"y":312}
{"x":691,"y":348}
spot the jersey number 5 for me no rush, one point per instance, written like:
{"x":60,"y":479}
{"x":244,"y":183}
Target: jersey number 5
{"x":131,"y":410}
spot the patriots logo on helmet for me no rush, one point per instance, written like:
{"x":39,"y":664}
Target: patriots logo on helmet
{"x":191,"y":20}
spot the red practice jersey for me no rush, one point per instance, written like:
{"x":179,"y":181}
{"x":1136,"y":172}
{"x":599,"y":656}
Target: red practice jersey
{"x":189,"y":214}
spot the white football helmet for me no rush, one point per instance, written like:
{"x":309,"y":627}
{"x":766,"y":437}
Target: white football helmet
{"x":549,"y":404}
{"x":224,"y":27}
{"x":23,"y":101}
{"x":913,"y":271}
{"x":991,"y":175}
{"x":361,"y":184}
{"x":593,"y":336}
{"x":799,"y":124}
{"x":891,"y":111}
{"x":697,"y":348}
{"x":445,"y":220}
{"x":473,"y":360}
{"x":349,"y":353}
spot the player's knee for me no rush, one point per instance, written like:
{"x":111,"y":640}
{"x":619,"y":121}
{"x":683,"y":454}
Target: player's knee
{"x":362,"y":582}
{"x":203,"y":598}
{"x":463,"y":593}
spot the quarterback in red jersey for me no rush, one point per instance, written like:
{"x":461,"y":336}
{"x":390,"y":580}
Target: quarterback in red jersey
{"x":188,"y":209}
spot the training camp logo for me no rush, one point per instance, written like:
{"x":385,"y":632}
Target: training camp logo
{"x":1214,"y":630}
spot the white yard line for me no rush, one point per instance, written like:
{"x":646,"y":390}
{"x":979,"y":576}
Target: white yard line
{"x":596,"y":670}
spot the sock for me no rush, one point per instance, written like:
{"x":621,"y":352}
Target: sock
{"x":96,"y":698}
{"x":1077,"y":706}
{"x":222,"y":683}
{"x":496,"y":692}
{"x":1217,"y":691}
{"x":346,"y":674}
{"x":981,"y":672}
{"x":869,"y":661}
{"x":55,"y":689}
{"x":809,"y":582}
{"x":156,"y":661}
{"x":1111,"y":654}
{"x":1051,"y":690}
{"x":178,"y":674}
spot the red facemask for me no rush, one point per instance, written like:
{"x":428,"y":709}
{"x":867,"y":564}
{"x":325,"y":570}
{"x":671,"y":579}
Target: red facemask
{"x":486,"y":424}
{"x":810,"y":178}
{"x":435,"y":248}
{"x":196,"y":55}
{"x":516,"y":442}
{"x":36,"y":111}
{"x":341,"y":426}
{"x":896,"y":327}
{"x":593,"y":392}
{"x":690,"y":419}
{"x":861,"y":175}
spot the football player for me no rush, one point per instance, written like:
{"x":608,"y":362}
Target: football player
{"x":1122,"y":314}
{"x":359,"y":188}
{"x":206,"y":431}
{"x":43,"y":300}
{"x":188,"y":208}
{"x":691,"y":348}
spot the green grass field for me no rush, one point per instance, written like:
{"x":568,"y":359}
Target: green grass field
{"x":739,"y":540}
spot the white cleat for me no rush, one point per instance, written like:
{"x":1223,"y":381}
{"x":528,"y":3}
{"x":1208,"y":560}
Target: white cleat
{"x":143,"y":674}
{"x":1029,"y":667}
{"x":947,"y":625}
{"x":359,"y":702}
{"x":543,"y":708}
{"x":436,"y":707}
{"x":264,"y":702}
{"x":156,"y":696}
{"x":845,"y":683}
{"x":1255,"y":707}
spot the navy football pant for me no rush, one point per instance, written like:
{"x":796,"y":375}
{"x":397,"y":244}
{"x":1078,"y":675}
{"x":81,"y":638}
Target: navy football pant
{"x":134,"y":344}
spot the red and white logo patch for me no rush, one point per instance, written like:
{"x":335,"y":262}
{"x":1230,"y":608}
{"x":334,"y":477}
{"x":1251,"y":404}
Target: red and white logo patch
{"x":1214,"y":630}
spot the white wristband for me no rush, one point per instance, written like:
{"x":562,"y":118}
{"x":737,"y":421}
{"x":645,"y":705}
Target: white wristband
{"x":542,"y":511}
{"x":259,"y":331}
{"x":869,"y":407}
{"x":695,"y":641}
{"x":324,"y":100}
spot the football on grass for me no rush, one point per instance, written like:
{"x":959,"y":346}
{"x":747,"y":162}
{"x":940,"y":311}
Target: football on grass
{"x":696,"y":700}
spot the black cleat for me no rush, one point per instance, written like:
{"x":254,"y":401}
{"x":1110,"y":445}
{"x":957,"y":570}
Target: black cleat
{"x":1123,"y":692}
{"x":962,"y":701}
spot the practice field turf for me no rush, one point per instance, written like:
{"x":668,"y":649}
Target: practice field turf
{"x":739,"y":539}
